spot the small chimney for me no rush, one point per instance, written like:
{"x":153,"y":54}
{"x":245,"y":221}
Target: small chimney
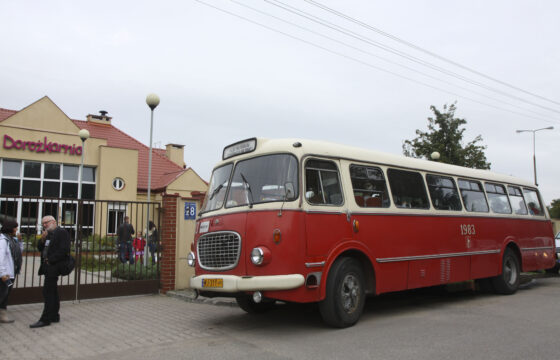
{"x":175,"y":153}
{"x":100,"y":119}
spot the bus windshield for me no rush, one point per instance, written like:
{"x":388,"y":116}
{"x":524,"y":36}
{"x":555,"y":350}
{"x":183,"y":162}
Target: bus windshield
{"x":264,"y":179}
{"x":217,"y":189}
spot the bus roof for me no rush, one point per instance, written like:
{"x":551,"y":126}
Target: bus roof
{"x":333,"y":150}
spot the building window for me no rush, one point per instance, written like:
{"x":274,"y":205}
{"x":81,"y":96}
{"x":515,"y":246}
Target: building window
{"x":118,"y":184}
{"x":116,"y":216}
{"x":70,"y":172}
{"x":51,"y":171}
{"x":42,"y":181}
{"x":11,"y":168}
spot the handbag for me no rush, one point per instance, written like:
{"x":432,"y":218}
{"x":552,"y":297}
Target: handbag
{"x":66,"y":267}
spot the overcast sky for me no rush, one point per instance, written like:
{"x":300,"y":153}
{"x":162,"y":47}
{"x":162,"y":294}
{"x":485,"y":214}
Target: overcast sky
{"x":223,"y":78}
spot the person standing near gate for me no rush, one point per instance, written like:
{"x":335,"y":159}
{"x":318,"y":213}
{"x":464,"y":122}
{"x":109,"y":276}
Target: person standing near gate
{"x":54,"y":246}
{"x":9,"y":263}
{"x":153,"y":240}
{"x":124,"y":234}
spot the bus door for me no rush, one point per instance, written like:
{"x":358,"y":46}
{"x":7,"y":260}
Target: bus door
{"x":327,"y":221}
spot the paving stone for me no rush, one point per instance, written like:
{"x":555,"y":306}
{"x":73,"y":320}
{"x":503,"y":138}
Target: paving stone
{"x":102,"y":326}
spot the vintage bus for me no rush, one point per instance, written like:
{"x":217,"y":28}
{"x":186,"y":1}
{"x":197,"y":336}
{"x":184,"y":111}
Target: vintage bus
{"x":309,"y":221}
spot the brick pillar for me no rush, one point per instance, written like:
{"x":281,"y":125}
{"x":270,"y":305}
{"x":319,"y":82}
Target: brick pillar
{"x":168,"y":241}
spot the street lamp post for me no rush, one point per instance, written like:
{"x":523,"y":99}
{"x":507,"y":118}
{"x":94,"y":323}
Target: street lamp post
{"x":534,"y":156}
{"x":84,"y":135}
{"x":153,"y":101}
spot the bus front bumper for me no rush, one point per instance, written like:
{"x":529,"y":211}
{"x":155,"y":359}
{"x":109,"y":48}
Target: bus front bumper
{"x":232,"y":283}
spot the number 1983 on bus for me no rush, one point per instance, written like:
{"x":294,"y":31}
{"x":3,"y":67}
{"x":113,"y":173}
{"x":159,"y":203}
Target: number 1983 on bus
{"x":467,"y":229}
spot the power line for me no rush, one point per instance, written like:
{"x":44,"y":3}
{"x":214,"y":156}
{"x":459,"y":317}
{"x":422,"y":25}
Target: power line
{"x":362,"y":62}
{"x":543,"y":117}
{"x":369,"y":41}
{"x":416,"y":47}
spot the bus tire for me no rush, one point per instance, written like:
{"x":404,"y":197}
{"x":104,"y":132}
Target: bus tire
{"x":508,"y":281}
{"x":247,"y":304}
{"x":554,"y":270}
{"x":345,"y":294}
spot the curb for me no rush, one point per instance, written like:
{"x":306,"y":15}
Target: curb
{"x":191,"y":296}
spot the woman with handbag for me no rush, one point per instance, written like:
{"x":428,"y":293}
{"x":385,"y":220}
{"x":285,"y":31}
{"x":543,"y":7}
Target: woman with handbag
{"x":7,"y":268}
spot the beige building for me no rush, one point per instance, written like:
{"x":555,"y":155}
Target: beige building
{"x":40,"y":175}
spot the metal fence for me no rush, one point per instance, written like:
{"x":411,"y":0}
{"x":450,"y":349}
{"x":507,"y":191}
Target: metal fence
{"x":105,"y":266}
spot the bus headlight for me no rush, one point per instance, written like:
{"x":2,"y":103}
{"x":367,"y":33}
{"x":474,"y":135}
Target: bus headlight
{"x":260,"y":255}
{"x":191,"y":259}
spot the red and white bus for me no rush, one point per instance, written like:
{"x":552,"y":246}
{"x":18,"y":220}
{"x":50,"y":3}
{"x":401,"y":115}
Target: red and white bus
{"x":309,"y":221}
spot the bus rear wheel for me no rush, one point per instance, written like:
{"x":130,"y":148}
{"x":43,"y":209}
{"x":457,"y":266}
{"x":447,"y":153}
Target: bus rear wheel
{"x":554,"y":270}
{"x":247,"y":304}
{"x":345,"y":297}
{"x":508,"y":281}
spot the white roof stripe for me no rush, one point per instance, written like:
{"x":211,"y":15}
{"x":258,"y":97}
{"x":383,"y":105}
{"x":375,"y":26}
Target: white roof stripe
{"x":328,"y":149}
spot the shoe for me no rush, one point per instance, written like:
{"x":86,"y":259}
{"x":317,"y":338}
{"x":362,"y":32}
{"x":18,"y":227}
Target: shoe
{"x":56,"y":320}
{"x":4,"y":317}
{"x":39,"y":324}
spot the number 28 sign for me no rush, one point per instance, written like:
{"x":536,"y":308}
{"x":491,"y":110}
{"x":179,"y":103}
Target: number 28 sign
{"x":190,"y":211}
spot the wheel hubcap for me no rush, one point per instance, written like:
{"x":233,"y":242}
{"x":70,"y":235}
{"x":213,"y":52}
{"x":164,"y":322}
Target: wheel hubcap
{"x":510,"y":271}
{"x":350,"y":293}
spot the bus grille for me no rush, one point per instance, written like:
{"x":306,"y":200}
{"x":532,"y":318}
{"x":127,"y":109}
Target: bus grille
{"x":219,"y":250}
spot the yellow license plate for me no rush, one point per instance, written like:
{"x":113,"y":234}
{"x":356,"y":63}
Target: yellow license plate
{"x":212,"y":283}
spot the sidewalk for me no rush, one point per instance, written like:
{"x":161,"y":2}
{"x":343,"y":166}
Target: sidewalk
{"x":102,"y":328}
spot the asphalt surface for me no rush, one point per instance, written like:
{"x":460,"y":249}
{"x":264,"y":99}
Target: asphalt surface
{"x":423,"y":324}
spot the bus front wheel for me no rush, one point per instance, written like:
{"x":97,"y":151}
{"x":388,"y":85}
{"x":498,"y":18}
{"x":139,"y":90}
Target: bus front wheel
{"x":508,"y":281}
{"x":345,"y":297}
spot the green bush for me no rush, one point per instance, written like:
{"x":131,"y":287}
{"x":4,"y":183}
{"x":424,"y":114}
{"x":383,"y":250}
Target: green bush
{"x":98,"y":243}
{"x":93,"y":262}
{"x":136,"y":271}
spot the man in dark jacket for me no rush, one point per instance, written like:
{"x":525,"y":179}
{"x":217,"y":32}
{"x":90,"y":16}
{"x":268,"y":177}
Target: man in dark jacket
{"x":54,"y":246}
{"x":124,"y":233}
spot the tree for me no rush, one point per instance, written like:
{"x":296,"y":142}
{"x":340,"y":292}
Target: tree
{"x":445,"y":135}
{"x":554,"y":209}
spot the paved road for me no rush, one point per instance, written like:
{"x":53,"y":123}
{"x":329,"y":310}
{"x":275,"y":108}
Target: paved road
{"x":414,"y":325}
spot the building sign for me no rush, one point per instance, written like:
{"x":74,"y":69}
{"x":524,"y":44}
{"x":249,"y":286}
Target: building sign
{"x":41,"y":146}
{"x":190,"y":211}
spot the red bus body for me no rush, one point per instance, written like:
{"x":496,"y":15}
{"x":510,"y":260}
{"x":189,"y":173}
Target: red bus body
{"x":398,"y":248}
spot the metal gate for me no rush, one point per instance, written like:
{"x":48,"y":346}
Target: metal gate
{"x":104,"y":265}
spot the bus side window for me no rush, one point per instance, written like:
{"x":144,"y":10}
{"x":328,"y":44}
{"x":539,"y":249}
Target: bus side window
{"x":443,"y":192}
{"x":322,"y":183}
{"x":473,"y":196}
{"x":517,"y":201}
{"x":408,"y":189}
{"x":498,"y":199}
{"x":369,"y":186}
{"x":533,"y":203}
